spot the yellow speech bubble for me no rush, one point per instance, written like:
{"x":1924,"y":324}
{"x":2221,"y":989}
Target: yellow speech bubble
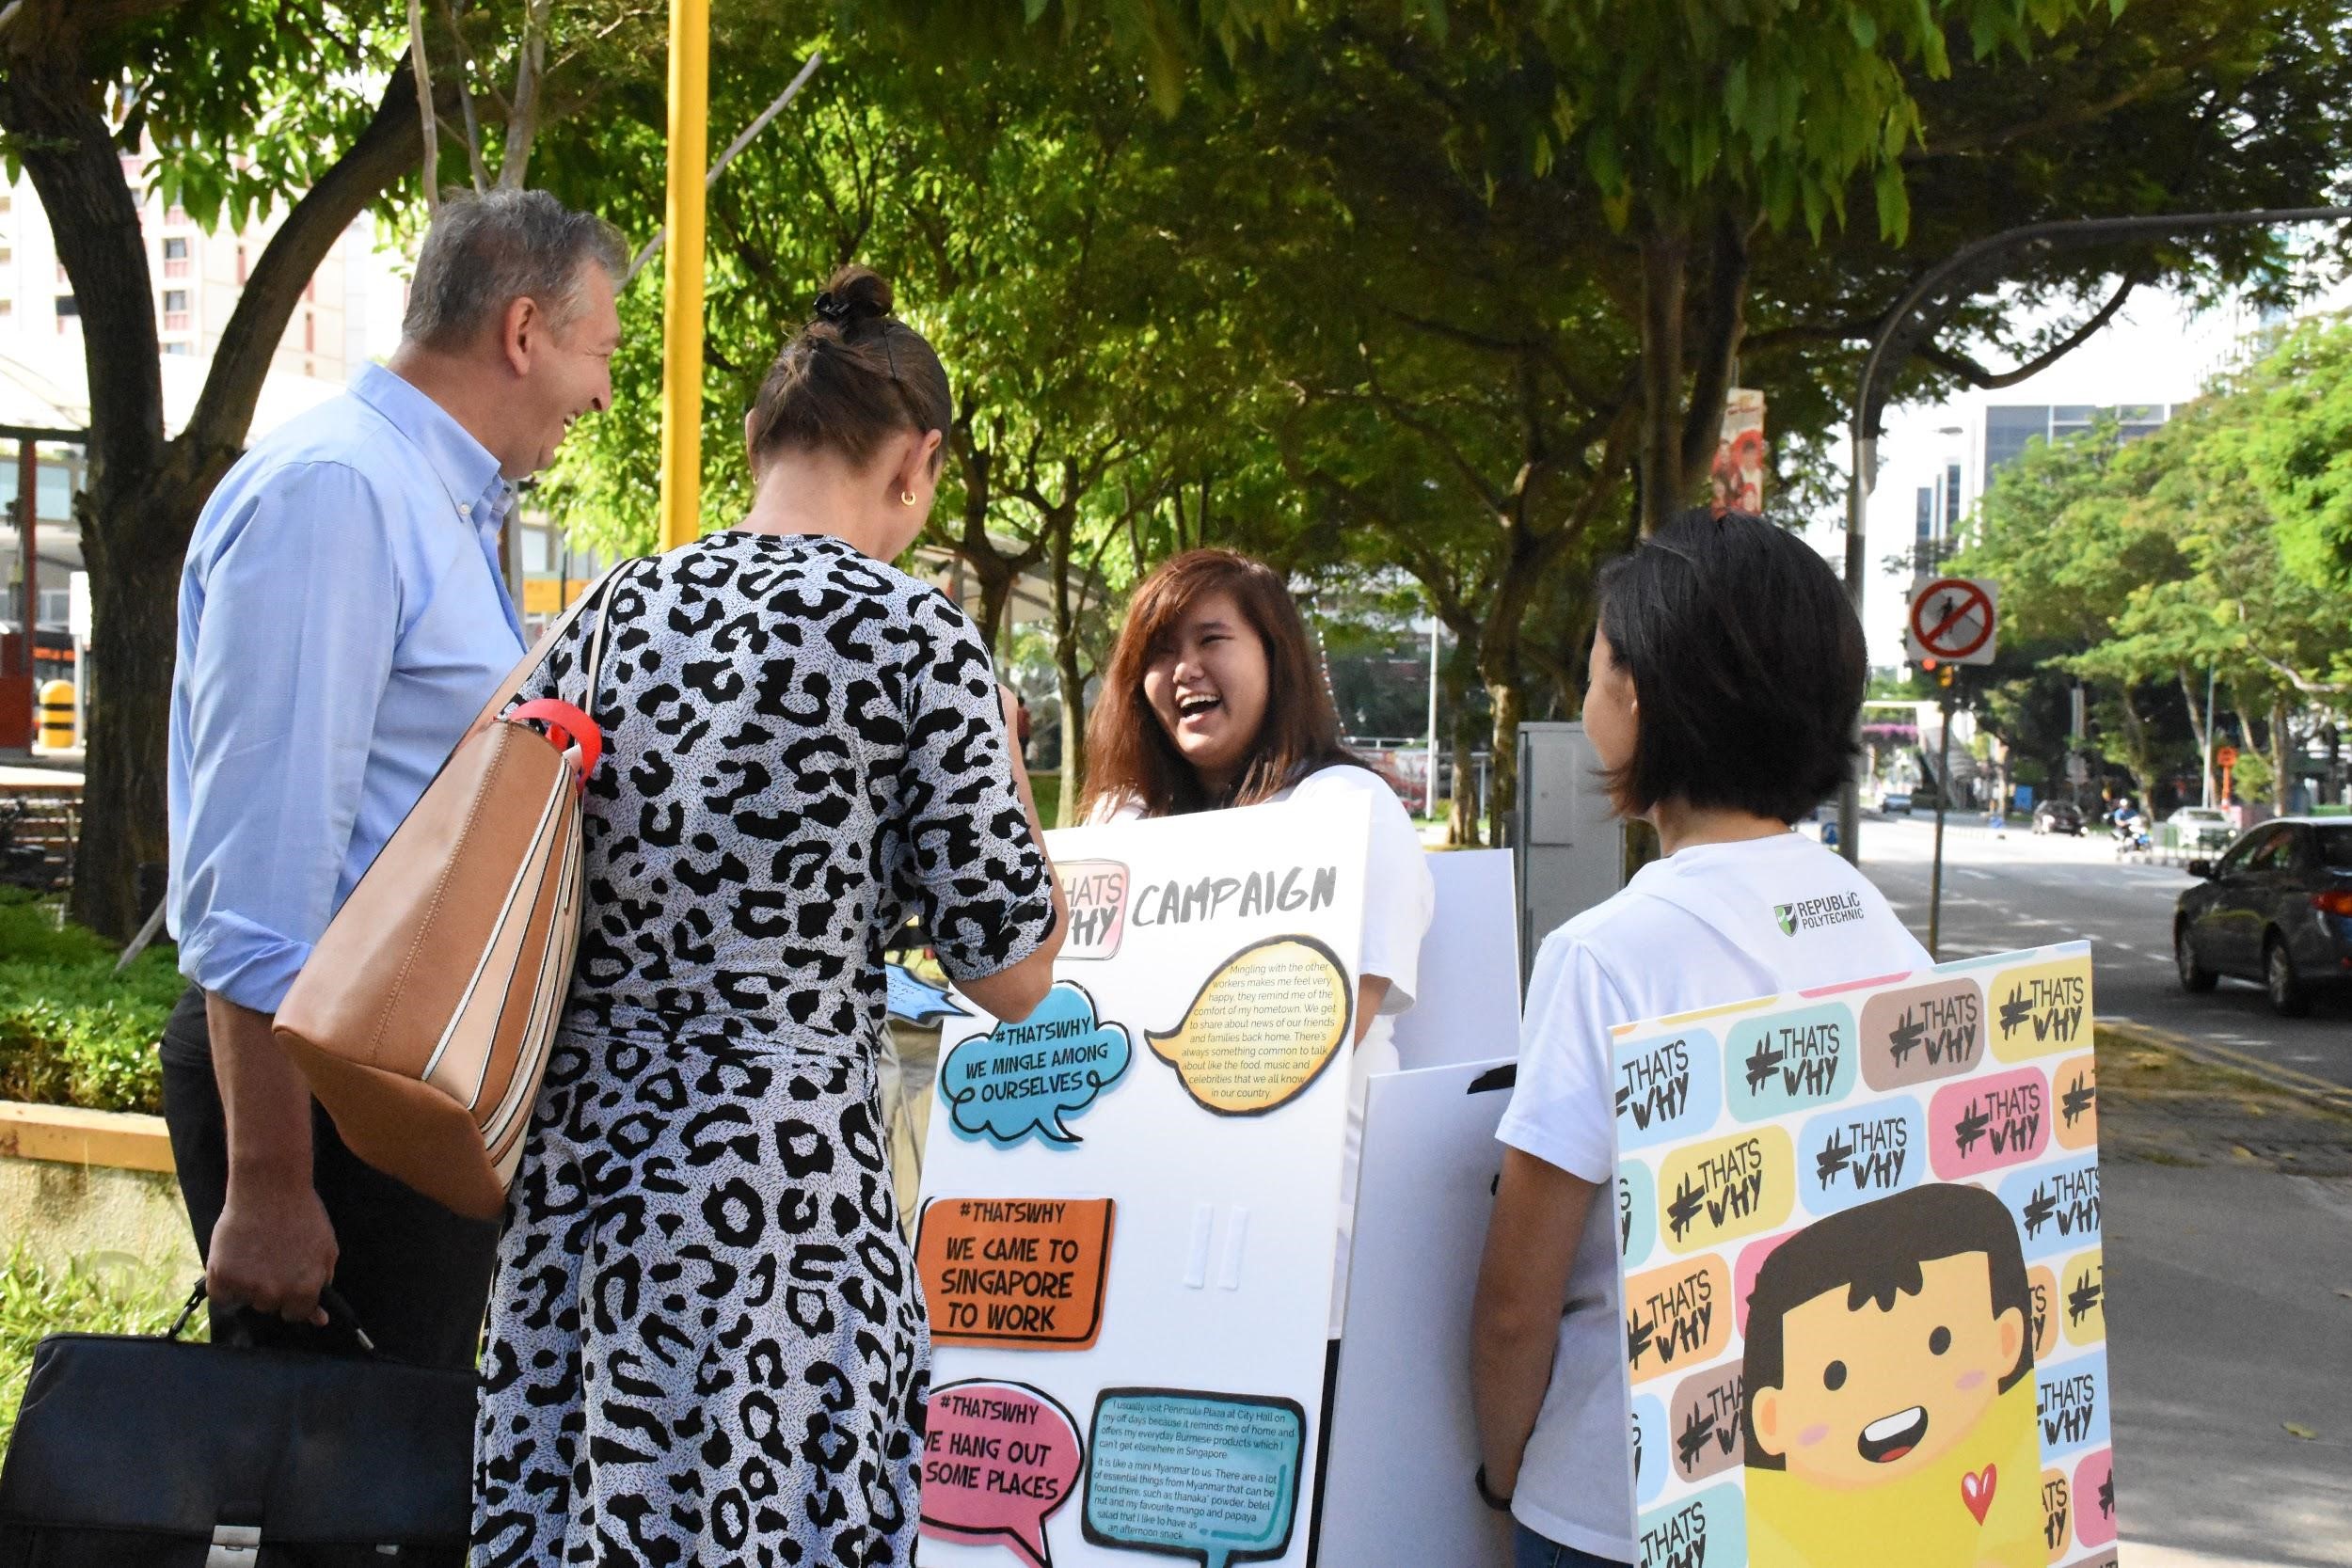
{"x":1265,"y":1023}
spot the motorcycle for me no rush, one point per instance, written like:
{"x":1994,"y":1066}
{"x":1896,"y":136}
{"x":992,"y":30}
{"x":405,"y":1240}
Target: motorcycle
{"x":2131,"y":837}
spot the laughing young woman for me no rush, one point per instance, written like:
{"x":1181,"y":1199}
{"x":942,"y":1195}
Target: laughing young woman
{"x":1215,"y":698}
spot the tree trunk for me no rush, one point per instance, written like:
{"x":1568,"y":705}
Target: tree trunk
{"x":2281,"y":756}
{"x":2196,"y":729}
{"x":143,"y":495}
{"x":135,"y":624}
{"x":1502,"y":796}
{"x":1665,"y":258}
{"x":1071,"y":674}
{"x":1453,"y":680}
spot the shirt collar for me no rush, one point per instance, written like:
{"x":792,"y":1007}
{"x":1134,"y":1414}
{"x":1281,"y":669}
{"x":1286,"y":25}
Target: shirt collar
{"x":465,"y":466}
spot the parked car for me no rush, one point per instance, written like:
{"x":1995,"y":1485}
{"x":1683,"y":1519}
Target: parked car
{"x":2057,"y":817}
{"x":1894,"y":803}
{"x":2202,"y":828}
{"x":2276,"y":908}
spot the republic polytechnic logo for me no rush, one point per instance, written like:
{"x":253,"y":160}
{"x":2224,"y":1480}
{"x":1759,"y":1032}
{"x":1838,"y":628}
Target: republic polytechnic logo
{"x":1810,"y":915}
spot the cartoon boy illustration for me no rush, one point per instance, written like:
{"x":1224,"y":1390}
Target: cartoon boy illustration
{"x":1890,"y":1391}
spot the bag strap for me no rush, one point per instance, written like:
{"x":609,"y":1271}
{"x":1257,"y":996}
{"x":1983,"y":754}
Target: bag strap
{"x":517,"y":678}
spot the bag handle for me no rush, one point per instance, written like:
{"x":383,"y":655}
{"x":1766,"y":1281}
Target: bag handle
{"x":337,"y":1311}
{"x":512,"y":687}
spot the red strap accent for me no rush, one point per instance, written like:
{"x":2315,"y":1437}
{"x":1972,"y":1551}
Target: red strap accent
{"x":566,"y":727}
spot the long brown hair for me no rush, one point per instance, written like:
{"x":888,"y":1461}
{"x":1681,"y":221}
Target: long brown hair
{"x":1130,"y":757}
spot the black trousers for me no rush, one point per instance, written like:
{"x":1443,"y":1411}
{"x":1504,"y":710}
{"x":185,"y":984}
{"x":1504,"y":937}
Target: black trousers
{"x":416,"y":1275}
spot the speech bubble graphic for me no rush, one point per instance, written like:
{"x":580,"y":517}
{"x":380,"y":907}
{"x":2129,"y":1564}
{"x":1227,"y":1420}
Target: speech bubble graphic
{"x":1703,"y":1420}
{"x":1744,"y":1269}
{"x":2095,"y":1499}
{"x":1027,"y":1077}
{"x":1096,"y":892}
{"x":1677,"y":1317}
{"x":2057,"y":1515}
{"x":1024,"y":1272}
{"x":1668,"y":1086}
{"x":1719,"y":1191}
{"x":2056,"y":1207}
{"x":1187,"y":1473}
{"x":1637,"y":1214}
{"x":1989,"y":1122}
{"x":2083,"y":1297}
{"x":1919,"y":1033}
{"x":2071,"y":1404}
{"x":1695,"y":1532}
{"x":1855,"y":1153}
{"x":2048,"y":1314}
{"x":2041,"y":1009}
{"x":998,"y":1459}
{"x":916,"y":998}
{"x":1262,"y":1028}
{"x":2075,"y":1102}
{"x":1789,"y":1061}
{"x":1651,"y":1461}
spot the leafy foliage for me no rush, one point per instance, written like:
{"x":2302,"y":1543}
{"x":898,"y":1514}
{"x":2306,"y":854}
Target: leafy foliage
{"x":72,"y":1032}
{"x":37,"y":1301}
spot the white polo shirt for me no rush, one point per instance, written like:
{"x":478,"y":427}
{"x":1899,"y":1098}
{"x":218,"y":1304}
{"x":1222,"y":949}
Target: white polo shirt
{"x":1697,"y":929}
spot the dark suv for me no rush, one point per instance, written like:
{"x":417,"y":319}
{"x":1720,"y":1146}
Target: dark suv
{"x":2057,"y":817}
{"x":2276,"y":908}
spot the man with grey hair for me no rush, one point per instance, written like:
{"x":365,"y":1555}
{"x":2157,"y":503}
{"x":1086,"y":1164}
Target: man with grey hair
{"x":342,"y":617}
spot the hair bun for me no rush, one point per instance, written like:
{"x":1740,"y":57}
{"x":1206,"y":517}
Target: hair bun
{"x":855,"y":294}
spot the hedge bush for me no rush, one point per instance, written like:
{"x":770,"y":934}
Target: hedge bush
{"x":72,"y":1031}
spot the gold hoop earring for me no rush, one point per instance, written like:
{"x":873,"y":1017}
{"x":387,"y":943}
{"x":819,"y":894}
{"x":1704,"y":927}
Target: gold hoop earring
{"x":906,"y":497}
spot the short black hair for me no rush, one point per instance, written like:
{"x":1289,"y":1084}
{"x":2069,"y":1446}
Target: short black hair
{"x":1748,"y":660}
{"x":1872,"y":1252}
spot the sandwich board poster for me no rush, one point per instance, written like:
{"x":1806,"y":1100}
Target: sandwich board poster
{"x":1860,"y":1248}
{"x":1131,"y":1200}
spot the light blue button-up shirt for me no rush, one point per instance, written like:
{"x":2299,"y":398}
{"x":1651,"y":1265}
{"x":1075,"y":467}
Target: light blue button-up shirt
{"x":342,"y":621}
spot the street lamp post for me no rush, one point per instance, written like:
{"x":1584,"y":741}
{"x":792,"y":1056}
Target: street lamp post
{"x":1956,"y":277}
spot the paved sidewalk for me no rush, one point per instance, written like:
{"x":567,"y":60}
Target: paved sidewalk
{"x":2229,"y":1273}
{"x":2230,"y":1322}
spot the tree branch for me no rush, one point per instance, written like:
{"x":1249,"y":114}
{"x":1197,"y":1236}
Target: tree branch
{"x":423,"y":90}
{"x":465,"y":100}
{"x":522,"y":119}
{"x":377,"y":158}
{"x":1956,"y":363}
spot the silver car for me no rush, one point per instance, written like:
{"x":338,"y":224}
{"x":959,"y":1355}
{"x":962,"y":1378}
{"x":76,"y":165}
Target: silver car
{"x":2275,"y":908}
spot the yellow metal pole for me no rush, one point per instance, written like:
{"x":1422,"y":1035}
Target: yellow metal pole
{"x":682,"y":274}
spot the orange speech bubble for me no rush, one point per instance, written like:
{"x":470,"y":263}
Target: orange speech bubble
{"x":1677,"y":1316}
{"x":1020,"y":1272}
{"x":2075,"y":1100}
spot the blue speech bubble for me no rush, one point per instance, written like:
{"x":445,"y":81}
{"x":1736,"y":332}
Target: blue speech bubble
{"x":1651,"y":1442}
{"x":1183,"y":1473}
{"x":2071,"y":1404}
{"x":1708,"y":1529}
{"x":916,"y":998}
{"x":1667,"y":1086}
{"x":1859,"y":1152}
{"x":1026,"y":1077}
{"x":1637,"y":1214}
{"x":2055,"y":1206}
{"x":1790,"y":1061}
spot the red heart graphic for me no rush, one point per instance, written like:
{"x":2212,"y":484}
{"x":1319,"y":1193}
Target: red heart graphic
{"x":1977,"y":1491}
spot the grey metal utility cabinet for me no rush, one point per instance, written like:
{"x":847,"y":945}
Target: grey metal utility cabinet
{"x":1571,"y":851}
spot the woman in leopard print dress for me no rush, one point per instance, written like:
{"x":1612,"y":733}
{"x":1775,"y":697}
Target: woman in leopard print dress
{"x":707,"y":1343}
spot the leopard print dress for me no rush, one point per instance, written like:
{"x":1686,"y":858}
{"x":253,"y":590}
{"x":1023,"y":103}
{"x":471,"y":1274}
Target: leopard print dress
{"x":707,"y":1344}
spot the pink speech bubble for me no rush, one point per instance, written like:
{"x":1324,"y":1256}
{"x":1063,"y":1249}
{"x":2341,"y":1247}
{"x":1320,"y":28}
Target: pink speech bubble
{"x":1987,"y":1122}
{"x":997,"y":1459}
{"x":2094,"y":1500}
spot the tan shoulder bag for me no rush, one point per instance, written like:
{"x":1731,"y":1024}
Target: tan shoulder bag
{"x":425,"y":1013}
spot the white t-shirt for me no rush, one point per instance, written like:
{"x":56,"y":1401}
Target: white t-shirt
{"x":1697,"y":929}
{"x":1400,"y":899}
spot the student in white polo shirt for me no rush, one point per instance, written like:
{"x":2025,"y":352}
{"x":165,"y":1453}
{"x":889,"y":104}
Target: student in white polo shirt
{"x":1727,"y":671}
